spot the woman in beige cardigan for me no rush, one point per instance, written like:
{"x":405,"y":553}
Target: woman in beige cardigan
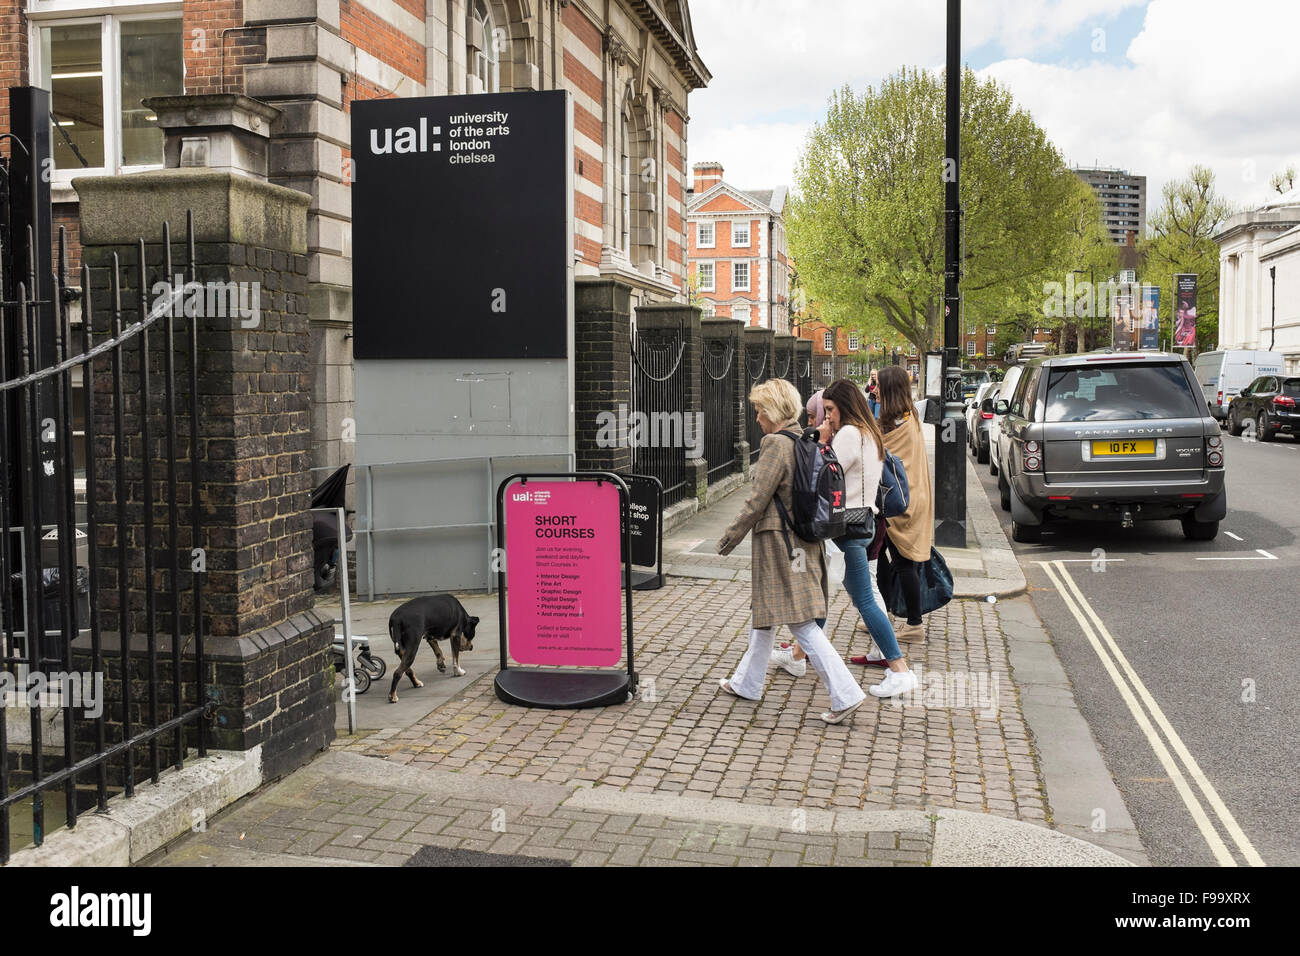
{"x":788,"y":574}
{"x":911,"y":535}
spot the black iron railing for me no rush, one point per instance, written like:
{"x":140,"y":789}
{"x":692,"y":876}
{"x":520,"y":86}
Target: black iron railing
{"x":61,"y":634}
{"x":718,"y":391}
{"x":660,"y":427}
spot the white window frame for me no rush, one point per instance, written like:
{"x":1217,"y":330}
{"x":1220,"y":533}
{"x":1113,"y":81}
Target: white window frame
{"x":734,"y":240}
{"x":741,"y":310}
{"x":855,"y":343}
{"x":828,"y":341}
{"x":43,"y":14}
{"x":970,"y":347}
{"x":699,"y":235}
{"x":828,"y":369}
{"x":712,"y":272}
{"x":991,"y":330}
{"x":735,"y":286}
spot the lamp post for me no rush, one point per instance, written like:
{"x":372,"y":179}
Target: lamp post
{"x":1272,"y":339}
{"x":949,"y":449}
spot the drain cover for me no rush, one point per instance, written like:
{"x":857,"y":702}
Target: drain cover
{"x":444,"y":856}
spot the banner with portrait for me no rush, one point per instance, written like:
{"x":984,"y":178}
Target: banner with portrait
{"x":1184,"y":310}
{"x":1122,"y":338}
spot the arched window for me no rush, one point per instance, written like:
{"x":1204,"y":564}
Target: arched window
{"x":483,"y":58}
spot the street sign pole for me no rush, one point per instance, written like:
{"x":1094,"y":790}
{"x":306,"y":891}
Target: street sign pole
{"x":950,"y":443}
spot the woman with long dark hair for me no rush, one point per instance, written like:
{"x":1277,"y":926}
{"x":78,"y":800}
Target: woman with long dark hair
{"x":911,"y":534}
{"x":859,"y":446}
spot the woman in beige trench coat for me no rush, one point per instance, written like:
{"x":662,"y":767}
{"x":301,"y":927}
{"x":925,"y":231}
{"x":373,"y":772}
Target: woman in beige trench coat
{"x":787,"y":588}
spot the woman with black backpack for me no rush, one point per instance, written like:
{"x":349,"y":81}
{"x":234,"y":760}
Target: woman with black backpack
{"x":855,"y":438}
{"x":789,"y":581}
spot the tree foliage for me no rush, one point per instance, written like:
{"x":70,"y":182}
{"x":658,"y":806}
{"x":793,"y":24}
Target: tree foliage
{"x":866,"y":224}
{"x":1181,"y":241}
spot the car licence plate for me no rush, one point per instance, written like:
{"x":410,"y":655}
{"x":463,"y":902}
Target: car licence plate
{"x":1146,"y":446}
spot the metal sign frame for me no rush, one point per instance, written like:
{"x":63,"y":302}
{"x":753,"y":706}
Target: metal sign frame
{"x":554,"y":687}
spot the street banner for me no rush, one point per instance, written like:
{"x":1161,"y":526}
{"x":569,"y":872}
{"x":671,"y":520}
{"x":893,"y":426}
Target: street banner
{"x":1121,"y":324}
{"x":1185,"y":310}
{"x":1150,"y":318}
{"x":562,"y":555}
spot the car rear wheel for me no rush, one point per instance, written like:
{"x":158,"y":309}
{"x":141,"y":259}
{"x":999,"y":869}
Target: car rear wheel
{"x":1194,"y":530}
{"x":1261,"y":428}
{"x":983,"y":455}
{"x":1235,"y":428}
{"x":993,"y":465}
{"x":1026,"y":533}
{"x":1004,"y":493}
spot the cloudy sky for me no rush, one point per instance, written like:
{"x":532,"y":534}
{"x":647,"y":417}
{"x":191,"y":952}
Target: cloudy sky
{"x":1151,"y":86}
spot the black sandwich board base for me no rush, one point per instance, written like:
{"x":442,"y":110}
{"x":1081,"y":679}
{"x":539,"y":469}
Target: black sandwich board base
{"x":561,"y":689}
{"x":647,"y":580}
{"x":556,"y":688}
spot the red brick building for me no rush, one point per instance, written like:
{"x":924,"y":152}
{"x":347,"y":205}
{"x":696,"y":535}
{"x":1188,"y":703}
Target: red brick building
{"x":630,"y":65}
{"x":737,"y":254}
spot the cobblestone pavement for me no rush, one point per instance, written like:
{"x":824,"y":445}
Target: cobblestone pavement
{"x":960,"y":742}
{"x":334,"y":812}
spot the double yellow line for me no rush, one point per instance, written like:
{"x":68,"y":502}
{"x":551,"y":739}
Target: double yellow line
{"x":1123,"y":675}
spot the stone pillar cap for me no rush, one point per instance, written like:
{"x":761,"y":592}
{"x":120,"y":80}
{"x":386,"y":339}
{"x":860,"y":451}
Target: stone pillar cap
{"x":200,"y":110}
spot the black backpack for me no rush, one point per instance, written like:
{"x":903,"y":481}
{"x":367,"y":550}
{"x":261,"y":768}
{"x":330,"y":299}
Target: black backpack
{"x":817,"y":498}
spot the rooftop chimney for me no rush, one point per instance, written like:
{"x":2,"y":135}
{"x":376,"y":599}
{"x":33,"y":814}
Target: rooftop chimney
{"x":707,"y":175}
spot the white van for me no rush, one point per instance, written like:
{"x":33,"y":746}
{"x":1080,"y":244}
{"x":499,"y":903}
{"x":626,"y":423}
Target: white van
{"x":1223,"y":374}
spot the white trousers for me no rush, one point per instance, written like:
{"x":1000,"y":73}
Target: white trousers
{"x":751,"y":675}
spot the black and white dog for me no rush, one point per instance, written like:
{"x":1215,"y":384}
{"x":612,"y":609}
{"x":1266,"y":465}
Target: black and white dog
{"x":432,"y":618}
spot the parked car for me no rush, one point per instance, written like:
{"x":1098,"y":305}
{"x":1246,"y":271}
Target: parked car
{"x":971,"y":381}
{"x":979,"y":415}
{"x":1124,"y":436}
{"x":1222,"y":375}
{"x":1009,"y":382}
{"x":1269,"y":402}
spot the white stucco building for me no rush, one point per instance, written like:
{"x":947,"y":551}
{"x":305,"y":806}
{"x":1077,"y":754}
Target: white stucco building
{"x":1250,"y":244}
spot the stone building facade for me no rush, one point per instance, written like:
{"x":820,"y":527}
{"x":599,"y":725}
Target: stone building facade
{"x":630,"y":65}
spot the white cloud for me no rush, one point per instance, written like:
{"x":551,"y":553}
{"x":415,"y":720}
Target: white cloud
{"x":1203,"y":82}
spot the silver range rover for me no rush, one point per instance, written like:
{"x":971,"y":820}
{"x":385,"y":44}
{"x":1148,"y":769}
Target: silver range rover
{"x":1119,"y":436}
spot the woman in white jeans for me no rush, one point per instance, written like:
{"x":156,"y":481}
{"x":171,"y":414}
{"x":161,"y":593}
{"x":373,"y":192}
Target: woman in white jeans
{"x":789,"y":582}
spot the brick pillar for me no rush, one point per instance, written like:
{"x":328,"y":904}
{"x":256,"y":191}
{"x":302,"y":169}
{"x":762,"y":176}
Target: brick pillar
{"x":267,"y":655}
{"x":675,"y":315}
{"x":602,"y":370}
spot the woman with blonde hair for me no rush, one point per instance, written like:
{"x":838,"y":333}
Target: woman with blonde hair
{"x":911,"y":534}
{"x":789,"y":582}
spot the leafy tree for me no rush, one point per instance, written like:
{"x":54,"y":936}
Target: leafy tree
{"x":866,"y":223}
{"x":1284,"y":180}
{"x":1180,"y":241}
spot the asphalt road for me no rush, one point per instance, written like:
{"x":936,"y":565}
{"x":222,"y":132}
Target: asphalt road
{"x":1183,"y":657}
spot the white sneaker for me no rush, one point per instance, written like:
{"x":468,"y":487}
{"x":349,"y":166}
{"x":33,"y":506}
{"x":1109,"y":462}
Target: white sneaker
{"x":784,"y":658}
{"x":895,"y":683}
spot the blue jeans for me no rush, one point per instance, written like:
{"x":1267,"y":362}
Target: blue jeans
{"x":857,"y":581}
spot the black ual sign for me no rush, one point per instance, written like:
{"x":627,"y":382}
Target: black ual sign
{"x":461,"y":226}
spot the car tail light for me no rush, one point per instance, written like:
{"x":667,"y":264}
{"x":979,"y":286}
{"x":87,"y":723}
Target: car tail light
{"x":1220,"y":402}
{"x":1214,"y":441}
{"x":1031,"y":447}
{"x":1058,"y":497}
{"x":987,"y":416}
{"x":1215,"y":458}
{"x":1033,"y":463}
{"x":1284,"y":401}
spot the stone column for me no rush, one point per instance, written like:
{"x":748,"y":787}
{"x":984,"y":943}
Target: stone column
{"x":267,"y":656}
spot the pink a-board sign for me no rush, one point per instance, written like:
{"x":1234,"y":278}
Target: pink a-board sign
{"x":563,"y":596}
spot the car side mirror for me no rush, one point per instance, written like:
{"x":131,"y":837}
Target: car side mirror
{"x":986,"y":405}
{"x":1001,"y":408}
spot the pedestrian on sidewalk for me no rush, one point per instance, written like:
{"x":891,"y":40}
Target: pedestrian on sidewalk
{"x":792,"y":659}
{"x":786,"y":588}
{"x":911,"y":534}
{"x":859,"y":446}
{"x":873,"y":394}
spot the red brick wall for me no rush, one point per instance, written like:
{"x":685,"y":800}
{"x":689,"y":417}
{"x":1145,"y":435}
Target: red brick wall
{"x":362,"y":28}
{"x":220,"y":29}
{"x":578,"y":26}
{"x":68,"y":215}
{"x":13,"y":58}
